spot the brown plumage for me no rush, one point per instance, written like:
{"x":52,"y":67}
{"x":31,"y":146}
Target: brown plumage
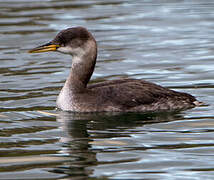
{"x":128,"y":95}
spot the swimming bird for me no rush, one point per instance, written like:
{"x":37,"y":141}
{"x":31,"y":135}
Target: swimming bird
{"x":122,"y":95}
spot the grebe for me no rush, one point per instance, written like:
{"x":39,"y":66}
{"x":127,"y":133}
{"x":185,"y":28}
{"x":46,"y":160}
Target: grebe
{"x":122,"y":95}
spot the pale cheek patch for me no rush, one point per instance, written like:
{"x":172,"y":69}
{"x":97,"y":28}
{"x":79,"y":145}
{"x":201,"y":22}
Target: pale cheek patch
{"x":79,"y":52}
{"x":66,"y":50}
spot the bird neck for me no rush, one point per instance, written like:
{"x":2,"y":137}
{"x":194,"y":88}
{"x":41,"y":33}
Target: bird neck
{"x":81,"y":70}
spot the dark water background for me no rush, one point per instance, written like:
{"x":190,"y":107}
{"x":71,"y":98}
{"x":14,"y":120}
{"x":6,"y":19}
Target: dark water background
{"x":167,"y":42}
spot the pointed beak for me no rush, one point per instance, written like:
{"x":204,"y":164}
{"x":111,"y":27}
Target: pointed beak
{"x":45,"y":48}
